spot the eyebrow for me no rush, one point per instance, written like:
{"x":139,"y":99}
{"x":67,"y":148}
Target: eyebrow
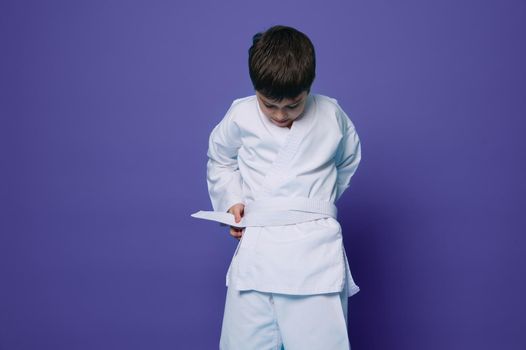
{"x":290,"y":104}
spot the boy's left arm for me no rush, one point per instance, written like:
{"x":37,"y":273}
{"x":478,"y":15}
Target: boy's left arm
{"x":348,"y":155}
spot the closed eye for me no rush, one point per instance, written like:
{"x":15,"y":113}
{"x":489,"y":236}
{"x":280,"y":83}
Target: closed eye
{"x":289,"y":107}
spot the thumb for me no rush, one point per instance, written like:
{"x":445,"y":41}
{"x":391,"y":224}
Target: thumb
{"x":237,"y":214}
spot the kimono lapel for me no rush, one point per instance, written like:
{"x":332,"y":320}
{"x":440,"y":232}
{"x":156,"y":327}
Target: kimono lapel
{"x":277,"y":134}
{"x":299,"y":129}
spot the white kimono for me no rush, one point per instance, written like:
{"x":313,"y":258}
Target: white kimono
{"x":292,"y":243}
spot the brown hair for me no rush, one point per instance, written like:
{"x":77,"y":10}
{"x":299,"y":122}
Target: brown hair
{"x":282,"y":62}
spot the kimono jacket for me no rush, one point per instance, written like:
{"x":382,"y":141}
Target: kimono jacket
{"x":252,"y":160}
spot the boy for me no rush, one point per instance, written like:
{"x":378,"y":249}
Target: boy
{"x":278,"y":161}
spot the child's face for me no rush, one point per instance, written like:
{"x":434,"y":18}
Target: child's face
{"x":284,"y":113}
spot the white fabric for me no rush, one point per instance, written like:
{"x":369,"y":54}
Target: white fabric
{"x":252,"y":160}
{"x":268,"y":218}
{"x":275,"y":211}
{"x":255,"y":320}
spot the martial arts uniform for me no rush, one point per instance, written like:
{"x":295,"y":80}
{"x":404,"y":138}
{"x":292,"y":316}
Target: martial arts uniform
{"x":289,"y":278}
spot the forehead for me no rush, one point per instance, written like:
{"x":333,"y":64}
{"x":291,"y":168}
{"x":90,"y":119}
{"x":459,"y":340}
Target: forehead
{"x":284,"y":102}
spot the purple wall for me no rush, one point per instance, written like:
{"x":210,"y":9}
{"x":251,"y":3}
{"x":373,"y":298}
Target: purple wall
{"x":106,"y":108}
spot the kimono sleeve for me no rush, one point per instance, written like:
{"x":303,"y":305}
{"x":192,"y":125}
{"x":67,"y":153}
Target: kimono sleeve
{"x":223,"y":176}
{"x":348,"y":155}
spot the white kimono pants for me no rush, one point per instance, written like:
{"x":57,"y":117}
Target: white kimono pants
{"x":255,"y":320}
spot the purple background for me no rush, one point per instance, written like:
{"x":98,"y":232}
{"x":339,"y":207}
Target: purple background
{"x":106,"y":108}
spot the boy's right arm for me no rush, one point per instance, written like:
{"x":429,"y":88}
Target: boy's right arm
{"x":225,"y":185}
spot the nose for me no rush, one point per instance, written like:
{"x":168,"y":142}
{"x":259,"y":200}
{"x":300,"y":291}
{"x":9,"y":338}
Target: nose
{"x":281,"y":116}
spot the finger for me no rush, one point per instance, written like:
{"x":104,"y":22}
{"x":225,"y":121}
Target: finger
{"x":235,"y":233}
{"x":239,"y":212}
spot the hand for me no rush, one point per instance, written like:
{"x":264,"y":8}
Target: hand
{"x":238,"y":211}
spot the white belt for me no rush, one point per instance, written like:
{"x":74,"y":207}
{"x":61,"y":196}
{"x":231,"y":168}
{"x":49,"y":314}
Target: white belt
{"x":275,"y":211}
